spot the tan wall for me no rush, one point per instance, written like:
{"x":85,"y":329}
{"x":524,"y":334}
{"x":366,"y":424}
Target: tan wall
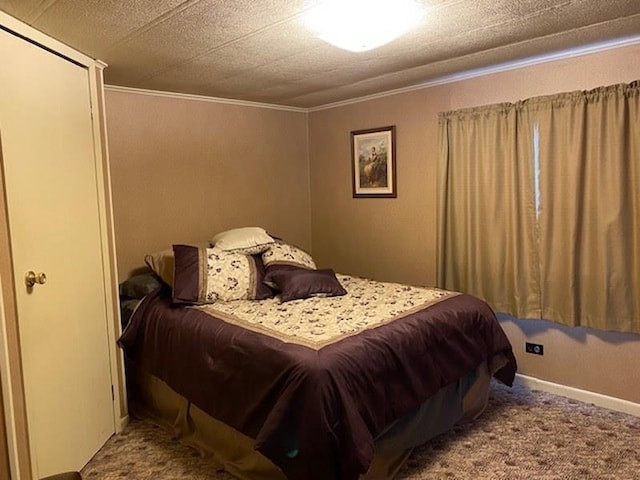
{"x":182,"y":170}
{"x":395,"y":239}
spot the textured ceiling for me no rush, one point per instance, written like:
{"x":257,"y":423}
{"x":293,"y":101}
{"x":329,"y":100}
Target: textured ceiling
{"x":258,"y":50}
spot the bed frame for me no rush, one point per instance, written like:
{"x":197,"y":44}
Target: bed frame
{"x":228,"y":449}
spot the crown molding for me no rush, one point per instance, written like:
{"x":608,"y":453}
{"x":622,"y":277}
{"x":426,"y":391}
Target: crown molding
{"x":501,"y":67}
{"x":203,"y":98}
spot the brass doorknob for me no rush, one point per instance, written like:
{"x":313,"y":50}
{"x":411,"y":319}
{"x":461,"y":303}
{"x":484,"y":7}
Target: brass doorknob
{"x":31,"y":278}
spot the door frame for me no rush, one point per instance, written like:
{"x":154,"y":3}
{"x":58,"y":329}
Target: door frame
{"x":19,"y":449}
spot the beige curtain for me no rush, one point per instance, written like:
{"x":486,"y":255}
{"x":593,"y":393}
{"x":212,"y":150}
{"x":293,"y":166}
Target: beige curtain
{"x":539,"y":207}
{"x":486,"y":232}
{"x":589,"y":212}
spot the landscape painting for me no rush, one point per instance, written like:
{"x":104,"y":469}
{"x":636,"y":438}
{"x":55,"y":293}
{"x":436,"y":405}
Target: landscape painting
{"x":373,"y":162}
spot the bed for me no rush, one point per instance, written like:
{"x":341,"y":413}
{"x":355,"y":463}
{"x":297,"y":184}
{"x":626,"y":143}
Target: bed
{"x":337,"y":386}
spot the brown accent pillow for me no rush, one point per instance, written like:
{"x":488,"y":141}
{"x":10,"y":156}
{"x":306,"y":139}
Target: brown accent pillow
{"x":298,"y":283}
{"x":271,"y":270}
{"x":140,"y":285}
{"x":205,"y":275}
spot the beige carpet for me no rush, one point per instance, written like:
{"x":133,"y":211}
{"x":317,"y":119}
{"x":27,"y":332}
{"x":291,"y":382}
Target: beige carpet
{"x":523,"y":434}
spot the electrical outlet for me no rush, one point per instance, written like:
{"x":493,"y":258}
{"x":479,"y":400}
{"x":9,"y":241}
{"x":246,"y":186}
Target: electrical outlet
{"x":535,"y":348}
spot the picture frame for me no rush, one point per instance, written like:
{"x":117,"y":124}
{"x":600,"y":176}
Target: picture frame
{"x":373,"y":162}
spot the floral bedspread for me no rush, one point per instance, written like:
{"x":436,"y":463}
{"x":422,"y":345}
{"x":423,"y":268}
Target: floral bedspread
{"x":318,"y":321}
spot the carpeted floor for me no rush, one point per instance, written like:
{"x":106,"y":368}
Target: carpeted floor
{"x":523,"y":434}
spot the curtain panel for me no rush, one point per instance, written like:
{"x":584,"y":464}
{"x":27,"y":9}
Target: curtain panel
{"x":486,"y":209}
{"x":539,"y":209}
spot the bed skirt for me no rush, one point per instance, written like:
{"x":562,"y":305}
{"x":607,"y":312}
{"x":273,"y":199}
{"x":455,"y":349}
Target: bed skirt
{"x":230,"y":450}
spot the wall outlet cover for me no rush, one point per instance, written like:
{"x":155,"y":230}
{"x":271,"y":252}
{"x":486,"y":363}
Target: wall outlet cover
{"x":535,"y":348}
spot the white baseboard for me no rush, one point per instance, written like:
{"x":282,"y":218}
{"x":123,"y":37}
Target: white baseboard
{"x":598,"y":399}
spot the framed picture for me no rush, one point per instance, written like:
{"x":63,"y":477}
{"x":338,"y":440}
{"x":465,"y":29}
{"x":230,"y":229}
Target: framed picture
{"x":373,"y":162}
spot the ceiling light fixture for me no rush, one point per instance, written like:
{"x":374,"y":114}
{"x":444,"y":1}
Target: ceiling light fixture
{"x":361,"y":25}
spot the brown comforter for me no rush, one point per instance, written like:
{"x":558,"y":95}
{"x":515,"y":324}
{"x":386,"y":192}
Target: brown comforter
{"x":314,"y":412}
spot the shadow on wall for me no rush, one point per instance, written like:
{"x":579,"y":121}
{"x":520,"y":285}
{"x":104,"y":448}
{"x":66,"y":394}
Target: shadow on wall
{"x":533,"y":327}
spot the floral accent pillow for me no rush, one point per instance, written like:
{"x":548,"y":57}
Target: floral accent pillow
{"x":206,"y":275}
{"x":281,"y":253}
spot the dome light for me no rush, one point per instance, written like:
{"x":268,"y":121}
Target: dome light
{"x":361,"y":25}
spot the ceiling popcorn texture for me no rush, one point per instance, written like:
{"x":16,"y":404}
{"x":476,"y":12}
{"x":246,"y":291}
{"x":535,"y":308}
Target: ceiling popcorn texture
{"x":260,"y":51}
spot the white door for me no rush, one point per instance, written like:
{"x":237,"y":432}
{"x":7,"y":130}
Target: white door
{"x":50,"y":178}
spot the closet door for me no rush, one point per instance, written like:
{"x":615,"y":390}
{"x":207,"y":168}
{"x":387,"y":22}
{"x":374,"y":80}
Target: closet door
{"x":47,"y":154}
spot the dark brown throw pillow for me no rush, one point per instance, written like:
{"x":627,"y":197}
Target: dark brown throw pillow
{"x":298,"y":283}
{"x":272,"y":270}
{"x":140,"y":285}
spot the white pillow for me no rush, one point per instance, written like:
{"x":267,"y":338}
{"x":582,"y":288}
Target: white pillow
{"x":248,"y":240}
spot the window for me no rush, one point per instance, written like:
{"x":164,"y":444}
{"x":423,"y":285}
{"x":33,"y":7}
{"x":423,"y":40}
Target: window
{"x":539,"y":206}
